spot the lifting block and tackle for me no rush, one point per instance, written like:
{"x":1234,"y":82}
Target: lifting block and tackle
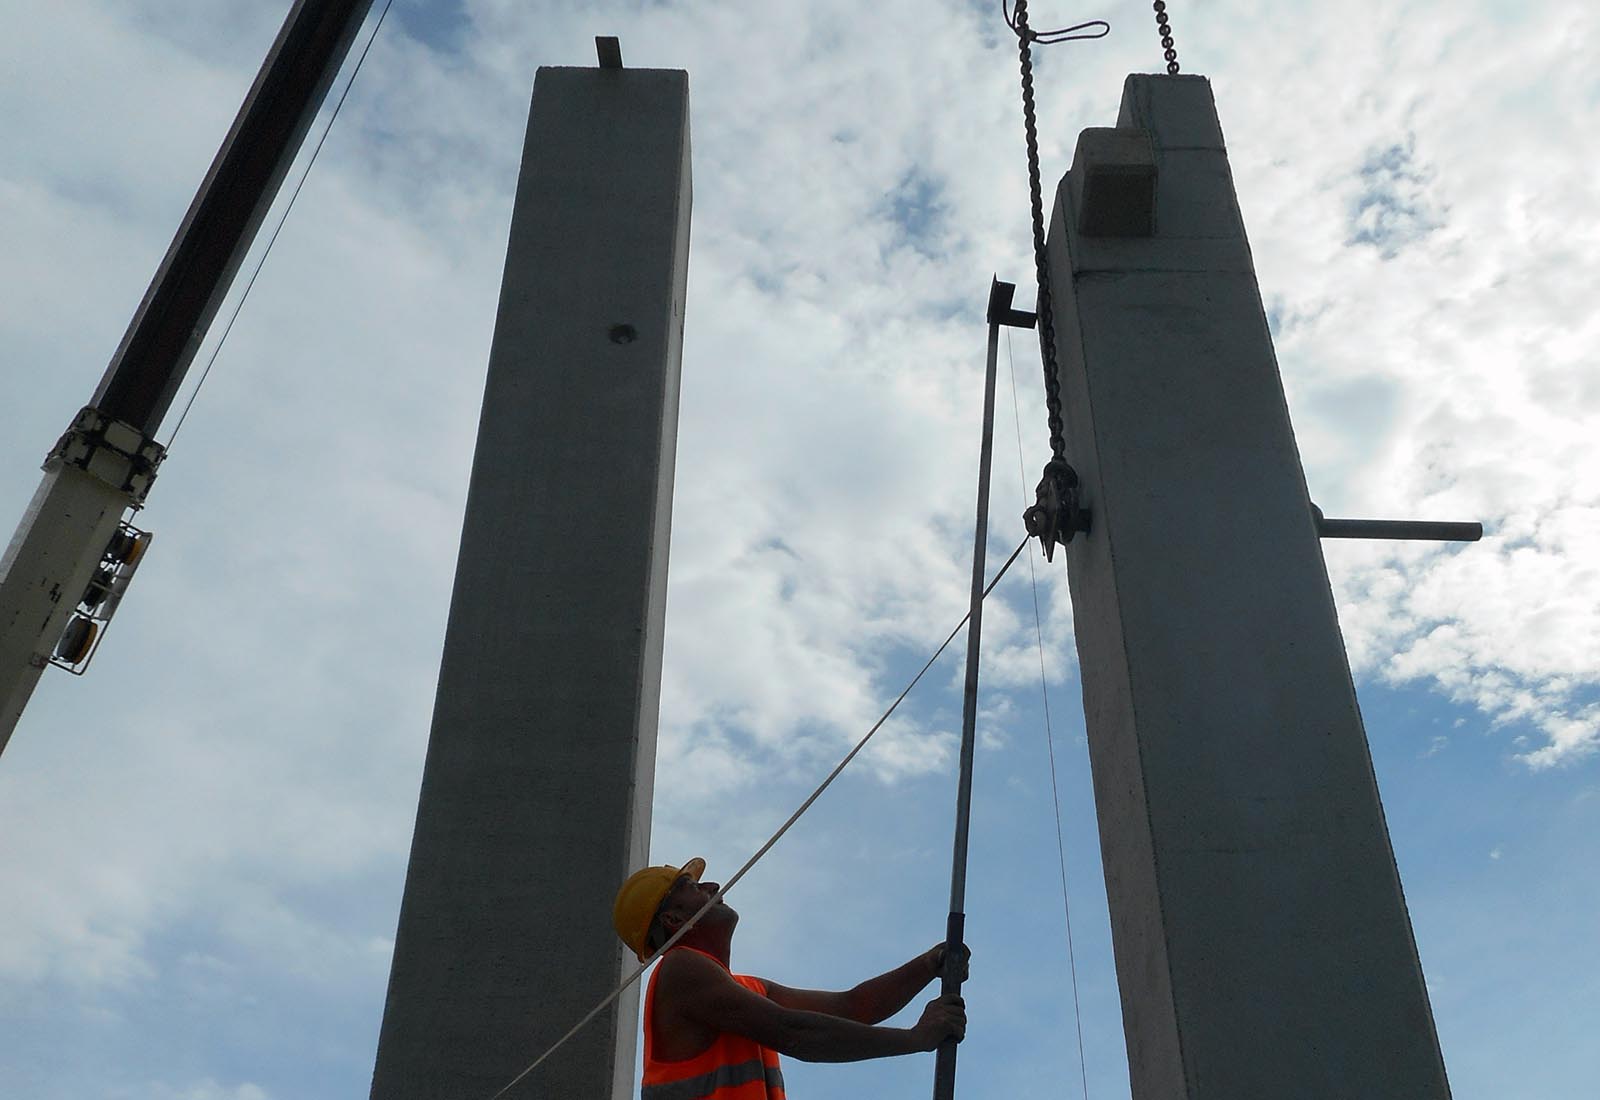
{"x":1057,"y":514}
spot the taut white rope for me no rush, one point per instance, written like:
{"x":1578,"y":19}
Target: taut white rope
{"x":751,"y":862}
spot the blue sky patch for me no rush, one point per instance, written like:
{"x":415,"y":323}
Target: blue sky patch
{"x":441,"y":24}
{"x":1395,"y":207}
{"x":917,"y":207}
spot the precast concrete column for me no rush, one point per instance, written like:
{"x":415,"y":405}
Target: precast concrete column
{"x":535,"y":800}
{"x":1262,"y":943}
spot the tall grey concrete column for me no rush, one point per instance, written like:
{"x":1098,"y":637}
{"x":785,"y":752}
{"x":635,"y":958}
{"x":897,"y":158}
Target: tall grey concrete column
{"x":1262,"y":943}
{"x":535,"y":798}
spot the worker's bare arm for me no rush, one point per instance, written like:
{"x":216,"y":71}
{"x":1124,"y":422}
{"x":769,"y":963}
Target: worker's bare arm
{"x":707,"y":996}
{"x":875,"y":999}
{"x":813,"y":1000}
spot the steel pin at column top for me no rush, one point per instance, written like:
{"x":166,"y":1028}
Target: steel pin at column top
{"x":1169,"y":51}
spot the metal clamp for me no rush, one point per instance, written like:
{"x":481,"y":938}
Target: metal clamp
{"x":116,"y":453}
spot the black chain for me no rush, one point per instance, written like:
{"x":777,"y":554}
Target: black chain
{"x":1169,"y":51}
{"x":1057,"y":513}
{"x":1047,"y":324}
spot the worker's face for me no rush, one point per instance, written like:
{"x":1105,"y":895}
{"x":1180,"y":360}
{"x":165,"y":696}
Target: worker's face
{"x":687,"y":898}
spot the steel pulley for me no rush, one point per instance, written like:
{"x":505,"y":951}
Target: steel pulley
{"x":1057,"y":513}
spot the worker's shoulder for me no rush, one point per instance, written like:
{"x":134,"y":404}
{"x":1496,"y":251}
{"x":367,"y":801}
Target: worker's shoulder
{"x":690,"y":969}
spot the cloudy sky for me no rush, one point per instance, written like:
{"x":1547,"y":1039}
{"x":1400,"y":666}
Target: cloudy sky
{"x":203,"y":842}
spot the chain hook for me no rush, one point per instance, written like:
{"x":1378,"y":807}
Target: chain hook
{"x":1057,"y":513}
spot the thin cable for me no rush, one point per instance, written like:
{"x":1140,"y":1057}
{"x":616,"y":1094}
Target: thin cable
{"x":384,"y":14}
{"x":1049,"y":739}
{"x":751,"y":862}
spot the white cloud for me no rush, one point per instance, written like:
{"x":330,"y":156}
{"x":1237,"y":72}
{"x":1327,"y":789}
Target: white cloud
{"x":859,"y":175}
{"x":898,"y":751}
{"x":1447,"y":373}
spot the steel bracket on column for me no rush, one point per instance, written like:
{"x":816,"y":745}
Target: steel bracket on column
{"x":1000,"y":310}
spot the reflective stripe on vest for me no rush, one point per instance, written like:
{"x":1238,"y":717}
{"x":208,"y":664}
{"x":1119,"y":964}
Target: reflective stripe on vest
{"x":731,"y":1068}
{"x":723,"y":1082}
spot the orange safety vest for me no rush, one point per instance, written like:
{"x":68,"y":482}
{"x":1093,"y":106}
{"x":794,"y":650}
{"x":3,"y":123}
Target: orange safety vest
{"x":731,"y":1068}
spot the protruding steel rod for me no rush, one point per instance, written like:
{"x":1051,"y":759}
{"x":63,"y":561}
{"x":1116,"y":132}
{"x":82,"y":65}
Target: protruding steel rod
{"x":944,"y":1076}
{"x":1395,"y":529}
{"x":1399,"y":529}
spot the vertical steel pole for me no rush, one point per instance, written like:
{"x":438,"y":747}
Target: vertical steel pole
{"x":944,"y":1076}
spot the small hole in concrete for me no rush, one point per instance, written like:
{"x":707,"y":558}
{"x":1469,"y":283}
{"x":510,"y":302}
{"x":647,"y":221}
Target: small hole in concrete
{"x":623,"y":334}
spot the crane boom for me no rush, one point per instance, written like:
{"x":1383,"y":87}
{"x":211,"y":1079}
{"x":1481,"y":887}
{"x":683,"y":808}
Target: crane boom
{"x":67,"y":548}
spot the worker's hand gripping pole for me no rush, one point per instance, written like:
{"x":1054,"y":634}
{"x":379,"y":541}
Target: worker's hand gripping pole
{"x":944,"y":1076}
{"x":944,"y":1066}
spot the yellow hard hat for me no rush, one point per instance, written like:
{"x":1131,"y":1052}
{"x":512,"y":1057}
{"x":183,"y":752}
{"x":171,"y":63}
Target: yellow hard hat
{"x":642,"y":895}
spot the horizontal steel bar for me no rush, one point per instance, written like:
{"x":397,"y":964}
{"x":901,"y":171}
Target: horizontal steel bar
{"x":1398,"y":529}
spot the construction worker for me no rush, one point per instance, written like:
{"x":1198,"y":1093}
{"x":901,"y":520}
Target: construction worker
{"x":710,"y":1034}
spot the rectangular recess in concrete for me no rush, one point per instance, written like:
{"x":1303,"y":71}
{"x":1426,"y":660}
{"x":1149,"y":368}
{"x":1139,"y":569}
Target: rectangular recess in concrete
{"x":535,"y":801}
{"x":1262,"y":943}
{"x":1114,"y":183}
